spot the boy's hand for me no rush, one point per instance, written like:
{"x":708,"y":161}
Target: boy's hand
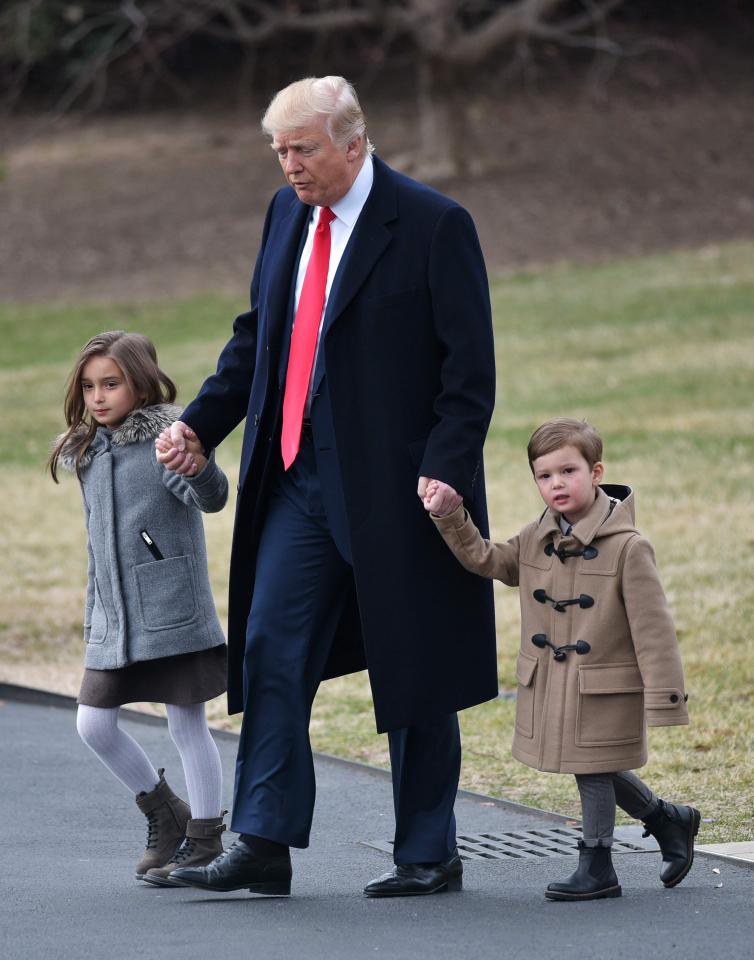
{"x":438,"y":498}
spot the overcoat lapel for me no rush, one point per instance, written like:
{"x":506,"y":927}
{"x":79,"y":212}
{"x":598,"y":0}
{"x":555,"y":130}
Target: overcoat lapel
{"x":369,"y":238}
{"x":292,"y":235}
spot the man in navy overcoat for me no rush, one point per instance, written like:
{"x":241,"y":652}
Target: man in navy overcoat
{"x":335,"y":566}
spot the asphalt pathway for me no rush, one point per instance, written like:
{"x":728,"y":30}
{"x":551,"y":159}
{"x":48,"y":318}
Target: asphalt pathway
{"x":70,"y":835}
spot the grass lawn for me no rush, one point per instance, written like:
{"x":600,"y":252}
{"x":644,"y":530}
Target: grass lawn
{"x":656,"y":352}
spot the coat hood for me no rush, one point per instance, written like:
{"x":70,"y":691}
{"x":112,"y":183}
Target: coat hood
{"x":144,"y":423}
{"x":613,"y":512}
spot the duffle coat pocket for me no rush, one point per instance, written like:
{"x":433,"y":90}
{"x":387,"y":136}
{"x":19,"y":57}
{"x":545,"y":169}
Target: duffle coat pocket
{"x":165,"y":589}
{"x":526,"y":670}
{"x":610,"y":708}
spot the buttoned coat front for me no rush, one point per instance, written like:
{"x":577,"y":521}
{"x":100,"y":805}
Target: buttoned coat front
{"x":408,"y":383}
{"x":584,"y":710}
{"x":140,"y":607}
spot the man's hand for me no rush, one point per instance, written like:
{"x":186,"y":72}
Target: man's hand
{"x":438,"y":497}
{"x":179,"y":449}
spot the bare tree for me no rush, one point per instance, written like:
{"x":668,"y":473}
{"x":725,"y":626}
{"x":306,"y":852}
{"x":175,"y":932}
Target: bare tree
{"x":451,"y":39}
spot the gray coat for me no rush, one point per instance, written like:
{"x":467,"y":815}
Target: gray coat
{"x":139,"y":607}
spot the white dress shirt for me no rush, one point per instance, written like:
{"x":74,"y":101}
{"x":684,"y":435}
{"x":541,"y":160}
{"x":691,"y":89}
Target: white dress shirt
{"x":346,"y":211}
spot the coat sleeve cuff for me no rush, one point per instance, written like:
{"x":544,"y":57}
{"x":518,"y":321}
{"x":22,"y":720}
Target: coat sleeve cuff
{"x":210,"y":486}
{"x":208,"y":478}
{"x":452,"y":521}
{"x":665,"y":706}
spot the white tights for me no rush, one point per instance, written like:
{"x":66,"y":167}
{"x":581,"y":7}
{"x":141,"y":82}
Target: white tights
{"x":122,"y":755}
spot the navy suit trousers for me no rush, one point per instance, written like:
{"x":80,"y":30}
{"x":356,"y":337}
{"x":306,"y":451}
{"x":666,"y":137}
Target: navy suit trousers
{"x":301,"y":584}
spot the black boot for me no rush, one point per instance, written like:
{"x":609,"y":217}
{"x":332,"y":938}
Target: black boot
{"x":593,"y":879}
{"x":674,"y":827}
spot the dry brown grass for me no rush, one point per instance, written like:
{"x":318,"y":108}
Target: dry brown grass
{"x":656,"y":352}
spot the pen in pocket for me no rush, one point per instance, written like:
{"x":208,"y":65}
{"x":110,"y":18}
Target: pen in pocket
{"x":151,"y":545}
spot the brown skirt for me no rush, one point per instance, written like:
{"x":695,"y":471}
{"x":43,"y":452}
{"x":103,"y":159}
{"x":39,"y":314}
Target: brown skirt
{"x":185,"y":678}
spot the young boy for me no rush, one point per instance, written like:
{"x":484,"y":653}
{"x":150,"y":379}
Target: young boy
{"x":599,"y":657}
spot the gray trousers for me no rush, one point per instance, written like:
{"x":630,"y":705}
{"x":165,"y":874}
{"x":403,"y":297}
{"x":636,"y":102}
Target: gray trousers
{"x":599,"y":794}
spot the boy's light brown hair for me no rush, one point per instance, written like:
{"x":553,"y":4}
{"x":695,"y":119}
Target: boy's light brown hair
{"x":565,"y":432}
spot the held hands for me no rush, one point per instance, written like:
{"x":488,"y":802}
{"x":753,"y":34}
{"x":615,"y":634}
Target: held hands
{"x":179,"y":449}
{"x":438,"y":498}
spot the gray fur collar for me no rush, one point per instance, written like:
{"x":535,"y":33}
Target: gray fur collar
{"x":144,"y":423}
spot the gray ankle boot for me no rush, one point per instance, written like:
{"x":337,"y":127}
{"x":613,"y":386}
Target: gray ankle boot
{"x":201,"y":846}
{"x":167,"y":816}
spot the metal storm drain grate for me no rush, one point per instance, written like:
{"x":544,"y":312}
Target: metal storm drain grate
{"x":519,"y":844}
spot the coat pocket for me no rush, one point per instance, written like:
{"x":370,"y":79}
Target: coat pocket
{"x":611,"y":705}
{"x":98,"y":624}
{"x":165,"y":590}
{"x":526,"y":670}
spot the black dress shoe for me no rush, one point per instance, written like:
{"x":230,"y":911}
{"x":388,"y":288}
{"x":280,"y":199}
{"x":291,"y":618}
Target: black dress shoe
{"x":418,"y":879}
{"x":239,"y":868}
{"x":674,"y":827}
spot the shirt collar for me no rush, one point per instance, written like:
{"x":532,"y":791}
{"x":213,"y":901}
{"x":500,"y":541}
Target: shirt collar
{"x":348,"y":208}
{"x":586,"y":529}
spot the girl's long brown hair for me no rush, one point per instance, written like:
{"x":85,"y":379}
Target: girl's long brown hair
{"x":137,"y":358}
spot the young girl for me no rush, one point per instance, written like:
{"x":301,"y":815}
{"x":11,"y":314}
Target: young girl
{"x":599,"y":659}
{"x":151,"y":629}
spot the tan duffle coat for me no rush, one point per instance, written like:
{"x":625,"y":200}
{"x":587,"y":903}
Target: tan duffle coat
{"x":584,"y":710}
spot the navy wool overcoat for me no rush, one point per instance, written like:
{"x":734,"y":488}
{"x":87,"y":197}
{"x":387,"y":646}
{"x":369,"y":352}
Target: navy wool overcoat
{"x":409,"y":373}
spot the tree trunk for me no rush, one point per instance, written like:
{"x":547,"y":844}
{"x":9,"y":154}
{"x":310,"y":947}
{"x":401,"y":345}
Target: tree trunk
{"x":442,"y":150}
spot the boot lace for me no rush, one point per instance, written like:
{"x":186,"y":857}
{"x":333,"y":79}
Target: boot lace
{"x":153,"y":830}
{"x":185,"y":850}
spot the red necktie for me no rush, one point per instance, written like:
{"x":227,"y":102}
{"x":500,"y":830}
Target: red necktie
{"x":304,"y":338}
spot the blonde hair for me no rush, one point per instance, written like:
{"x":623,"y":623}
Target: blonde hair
{"x":332,"y":99}
{"x":137,"y":358}
{"x":565,"y":432}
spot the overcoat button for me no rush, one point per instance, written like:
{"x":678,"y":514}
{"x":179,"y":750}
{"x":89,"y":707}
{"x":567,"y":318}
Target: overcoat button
{"x":674,"y":698}
{"x":256,"y":419}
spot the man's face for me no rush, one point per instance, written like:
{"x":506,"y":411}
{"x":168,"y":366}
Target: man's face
{"x":319,"y":171}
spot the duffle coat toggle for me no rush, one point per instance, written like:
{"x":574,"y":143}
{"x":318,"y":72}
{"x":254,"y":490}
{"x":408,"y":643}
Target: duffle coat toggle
{"x":588,"y":553}
{"x":559,"y":653}
{"x":584,"y":601}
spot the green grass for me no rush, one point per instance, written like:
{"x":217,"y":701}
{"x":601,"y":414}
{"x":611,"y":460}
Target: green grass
{"x":657,"y":352}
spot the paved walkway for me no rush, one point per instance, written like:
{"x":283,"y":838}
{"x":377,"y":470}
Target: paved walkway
{"x":70,"y":836}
